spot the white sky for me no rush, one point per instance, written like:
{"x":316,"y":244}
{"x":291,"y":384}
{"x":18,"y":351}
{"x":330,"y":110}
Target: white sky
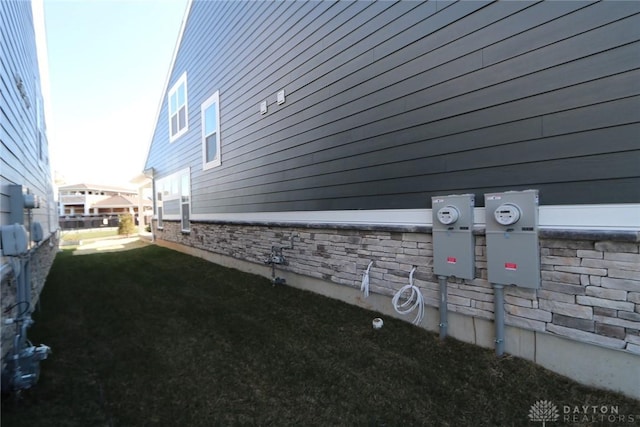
{"x":108,"y":61}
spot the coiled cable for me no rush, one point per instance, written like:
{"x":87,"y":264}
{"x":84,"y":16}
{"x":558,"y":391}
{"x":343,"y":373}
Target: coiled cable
{"x":414,"y":301}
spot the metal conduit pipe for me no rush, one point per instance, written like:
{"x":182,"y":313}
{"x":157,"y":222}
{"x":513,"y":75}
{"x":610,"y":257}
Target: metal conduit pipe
{"x":498,"y":292}
{"x":443,"y":307}
{"x":22,"y":365}
{"x":25,"y":298}
{"x":24,"y":288}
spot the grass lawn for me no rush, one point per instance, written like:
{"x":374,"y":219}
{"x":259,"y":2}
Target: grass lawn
{"x":152,"y":337}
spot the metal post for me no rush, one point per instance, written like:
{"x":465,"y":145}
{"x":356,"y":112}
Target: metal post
{"x":23,"y":301}
{"x":499,"y":317}
{"x":443,"y":306}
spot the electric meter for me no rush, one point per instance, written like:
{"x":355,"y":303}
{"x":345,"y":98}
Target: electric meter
{"x":507,"y":214}
{"x":513,"y":251}
{"x":448,"y":215}
{"x":453,"y":240}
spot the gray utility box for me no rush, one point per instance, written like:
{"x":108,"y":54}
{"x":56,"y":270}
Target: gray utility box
{"x":513,"y":254}
{"x":20,"y":199}
{"x":453,"y":242}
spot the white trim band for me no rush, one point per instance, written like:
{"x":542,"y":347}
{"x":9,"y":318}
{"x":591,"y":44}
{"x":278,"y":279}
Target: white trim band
{"x":576,"y":217}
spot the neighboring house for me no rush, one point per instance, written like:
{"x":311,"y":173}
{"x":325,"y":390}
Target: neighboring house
{"x":89,"y":200}
{"x":333,"y":124}
{"x":25,"y":176}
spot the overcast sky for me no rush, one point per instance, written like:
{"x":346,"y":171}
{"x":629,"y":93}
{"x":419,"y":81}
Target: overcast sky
{"x":108,"y":61}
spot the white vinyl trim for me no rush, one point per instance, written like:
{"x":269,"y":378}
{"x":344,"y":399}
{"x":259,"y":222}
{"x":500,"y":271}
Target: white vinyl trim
{"x":574,"y":217}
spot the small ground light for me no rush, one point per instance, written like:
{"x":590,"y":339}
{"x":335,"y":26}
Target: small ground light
{"x":377,"y":323}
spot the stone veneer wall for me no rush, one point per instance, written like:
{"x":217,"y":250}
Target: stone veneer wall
{"x":40,"y":264}
{"x":590,"y":288}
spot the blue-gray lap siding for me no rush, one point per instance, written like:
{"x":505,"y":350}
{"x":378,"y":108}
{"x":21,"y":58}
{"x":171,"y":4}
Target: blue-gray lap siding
{"x":390,"y":103}
{"x":24,"y":152}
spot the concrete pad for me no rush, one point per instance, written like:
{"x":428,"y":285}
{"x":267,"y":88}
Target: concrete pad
{"x":111,"y":245}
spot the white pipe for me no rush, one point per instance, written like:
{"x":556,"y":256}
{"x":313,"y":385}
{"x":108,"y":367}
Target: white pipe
{"x":364,"y":287}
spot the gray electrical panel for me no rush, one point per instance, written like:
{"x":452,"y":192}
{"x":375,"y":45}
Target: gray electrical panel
{"x":453,"y":242}
{"x":20,"y":199}
{"x":513,"y":254}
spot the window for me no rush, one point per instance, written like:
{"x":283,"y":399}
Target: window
{"x":173,"y":198}
{"x":40,"y":131}
{"x":210,"y":112}
{"x":178,"y":111}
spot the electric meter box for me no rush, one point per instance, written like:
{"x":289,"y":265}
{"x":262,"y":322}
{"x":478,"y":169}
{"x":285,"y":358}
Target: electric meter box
{"x":513,"y":253}
{"x":453,"y":241}
{"x":20,"y":199}
{"x":14,"y":239}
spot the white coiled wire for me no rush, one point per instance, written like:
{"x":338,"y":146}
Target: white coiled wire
{"x":364,"y":287}
{"x":414,"y":301}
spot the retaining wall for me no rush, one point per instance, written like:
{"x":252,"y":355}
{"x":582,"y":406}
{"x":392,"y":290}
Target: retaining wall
{"x":590,"y":291}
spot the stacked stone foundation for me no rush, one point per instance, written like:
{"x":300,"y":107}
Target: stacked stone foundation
{"x":590,"y":283}
{"x":40,"y":263}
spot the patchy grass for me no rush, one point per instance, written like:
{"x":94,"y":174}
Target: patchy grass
{"x":153,"y":337}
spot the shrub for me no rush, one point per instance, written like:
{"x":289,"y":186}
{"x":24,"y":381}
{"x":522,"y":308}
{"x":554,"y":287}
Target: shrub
{"x":126,"y":224}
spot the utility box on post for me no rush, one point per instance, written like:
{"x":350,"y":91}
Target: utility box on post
{"x":453,"y":242}
{"x":513,"y":254}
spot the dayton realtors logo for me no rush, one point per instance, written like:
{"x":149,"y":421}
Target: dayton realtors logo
{"x":545,"y":411}
{"x":596,"y":414}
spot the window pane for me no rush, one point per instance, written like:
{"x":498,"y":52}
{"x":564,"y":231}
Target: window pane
{"x":212,"y":147}
{"x":184,"y":185}
{"x":181,"y":118}
{"x":174,"y":124}
{"x":180,"y":95}
{"x":173,"y":104}
{"x":210,"y":119}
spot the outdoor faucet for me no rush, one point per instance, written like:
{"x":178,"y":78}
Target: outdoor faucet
{"x":277,"y":257}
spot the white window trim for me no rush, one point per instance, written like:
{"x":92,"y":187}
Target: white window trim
{"x":174,"y":88}
{"x":174,"y":196}
{"x":215,"y":98}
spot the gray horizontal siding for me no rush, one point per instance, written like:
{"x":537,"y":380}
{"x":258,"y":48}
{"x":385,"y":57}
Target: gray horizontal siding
{"x":391,"y":103}
{"x":22,"y":160}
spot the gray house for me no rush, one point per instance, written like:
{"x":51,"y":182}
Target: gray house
{"x":325,"y":131}
{"x":28,"y":211}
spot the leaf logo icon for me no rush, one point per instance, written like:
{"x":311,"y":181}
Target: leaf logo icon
{"x":544,"y":411}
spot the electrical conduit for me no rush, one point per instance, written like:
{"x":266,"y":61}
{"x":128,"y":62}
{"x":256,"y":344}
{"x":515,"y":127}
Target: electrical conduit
{"x":443,"y":307}
{"x":499,"y":317}
{"x":364,"y":287}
